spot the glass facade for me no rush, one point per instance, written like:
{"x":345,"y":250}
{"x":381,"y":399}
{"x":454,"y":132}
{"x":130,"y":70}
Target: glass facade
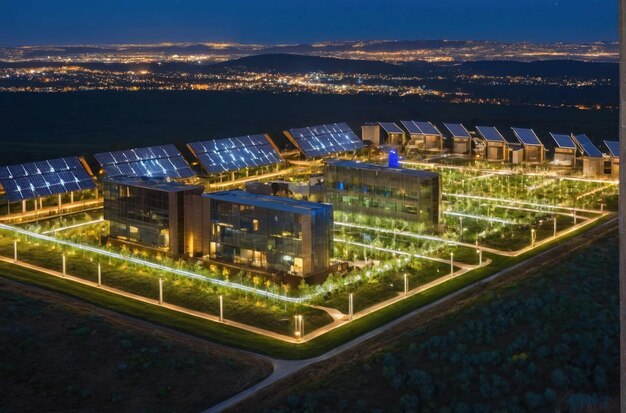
{"x":150,"y":214}
{"x":371,"y":189}
{"x":272,"y":233}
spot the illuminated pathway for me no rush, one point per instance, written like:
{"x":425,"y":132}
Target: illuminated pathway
{"x":82,"y":224}
{"x":286,"y":368}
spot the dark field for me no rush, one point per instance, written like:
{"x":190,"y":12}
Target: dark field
{"x":39,"y":125}
{"x":541,"y":344}
{"x":69,"y":357}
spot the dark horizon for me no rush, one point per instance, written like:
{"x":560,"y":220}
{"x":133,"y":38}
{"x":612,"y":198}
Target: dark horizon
{"x":71,"y":22}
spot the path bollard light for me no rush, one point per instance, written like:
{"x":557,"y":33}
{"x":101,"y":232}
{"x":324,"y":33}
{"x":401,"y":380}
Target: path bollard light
{"x":451,"y":263}
{"x":99,"y":274}
{"x":406,"y":284}
{"x":351,"y":305}
{"x":221,"y":309}
{"x":161,"y":291}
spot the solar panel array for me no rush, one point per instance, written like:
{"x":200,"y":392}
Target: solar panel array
{"x":490,"y":134}
{"x":35,"y":179}
{"x":563,"y":141}
{"x":587,"y":147}
{"x":457,"y":130}
{"x":232,"y":154}
{"x":420,"y":128}
{"x":156,"y":161}
{"x":390,"y":127}
{"x":613,"y":147}
{"x":322,"y":140}
{"x":526,"y":136}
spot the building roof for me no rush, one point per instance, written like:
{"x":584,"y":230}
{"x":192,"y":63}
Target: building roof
{"x":613,"y":147}
{"x":457,"y":130}
{"x":563,"y":141}
{"x":381,"y":168}
{"x":268,"y":201}
{"x":490,"y":134}
{"x":586,"y":146}
{"x":527,"y":137}
{"x":156,"y":184}
{"x":420,"y":128}
{"x":390,"y":127}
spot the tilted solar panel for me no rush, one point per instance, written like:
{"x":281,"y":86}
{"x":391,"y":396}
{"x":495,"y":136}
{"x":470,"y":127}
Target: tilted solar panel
{"x":613,"y":147}
{"x":155,"y":161}
{"x":232,"y":154}
{"x":323,"y":140}
{"x":587,"y":147}
{"x":42,"y":178}
{"x":410,"y":126}
{"x":390,"y":127}
{"x":563,"y":141}
{"x":427,"y":128}
{"x":457,"y":130}
{"x":526,"y":136}
{"x":490,"y":133}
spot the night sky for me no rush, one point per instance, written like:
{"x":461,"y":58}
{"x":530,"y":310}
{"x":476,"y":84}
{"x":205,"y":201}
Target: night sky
{"x":24,"y":22}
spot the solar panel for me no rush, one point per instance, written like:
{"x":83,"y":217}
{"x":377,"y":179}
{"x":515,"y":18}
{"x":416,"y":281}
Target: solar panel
{"x":323,"y":140}
{"x":420,"y":128}
{"x":154,"y":161}
{"x":35,"y":179}
{"x":563,"y":141}
{"x":526,"y":136}
{"x":427,"y":128}
{"x":232,"y":154}
{"x":490,"y":134}
{"x":457,"y":130}
{"x":390,"y":127}
{"x":410,"y":126}
{"x":613,"y":147}
{"x":587,"y":147}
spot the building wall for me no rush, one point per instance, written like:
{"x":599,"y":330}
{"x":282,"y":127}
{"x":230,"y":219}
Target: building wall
{"x":384,"y":193}
{"x":593,"y":167}
{"x":564,"y":156}
{"x":427,"y":143}
{"x":148,"y":217}
{"x":533,"y":154}
{"x":495,"y":151}
{"x":615,"y":168}
{"x":371,"y":133}
{"x":461,"y":146}
{"x":264,"y":238}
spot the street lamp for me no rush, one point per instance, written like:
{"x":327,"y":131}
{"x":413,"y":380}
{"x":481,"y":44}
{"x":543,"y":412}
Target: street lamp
{"x":406,"y":284}
{"x":451,"y":263}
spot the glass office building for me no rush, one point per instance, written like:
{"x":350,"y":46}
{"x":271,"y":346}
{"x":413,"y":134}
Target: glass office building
{"x":275,"y":234}
{"x":148,"y":212}
{"x":378,"y":190}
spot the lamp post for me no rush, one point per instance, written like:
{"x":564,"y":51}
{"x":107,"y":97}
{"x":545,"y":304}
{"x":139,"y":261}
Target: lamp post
{"x":15,"y":250}
{"x":479,"y":251}
{"x":350,"y":305}
{"x":554,"y":227}
{"x":161,"y":290}
{"x":451,"y":263}
{"x":533,"y":237}
{"x":99,"y":274}
{"x":406,"y":284}
{"x":299,"y":330}
{"x":221,"y":309}
{"x":64,"y":262}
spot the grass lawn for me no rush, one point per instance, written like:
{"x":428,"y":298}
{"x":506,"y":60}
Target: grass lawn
{"x":60,"y":356}
{"x":547,"y":342}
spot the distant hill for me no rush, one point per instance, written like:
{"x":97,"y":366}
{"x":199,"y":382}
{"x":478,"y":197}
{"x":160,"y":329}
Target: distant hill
{"x":545,"y":68}
{"x":293,"y":63}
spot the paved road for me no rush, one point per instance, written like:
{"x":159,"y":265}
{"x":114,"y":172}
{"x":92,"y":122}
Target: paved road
{"x":285,"y":368}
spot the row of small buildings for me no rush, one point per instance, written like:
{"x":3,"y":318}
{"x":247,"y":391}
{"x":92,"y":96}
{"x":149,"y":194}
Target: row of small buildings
{"x":517,"y":146}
